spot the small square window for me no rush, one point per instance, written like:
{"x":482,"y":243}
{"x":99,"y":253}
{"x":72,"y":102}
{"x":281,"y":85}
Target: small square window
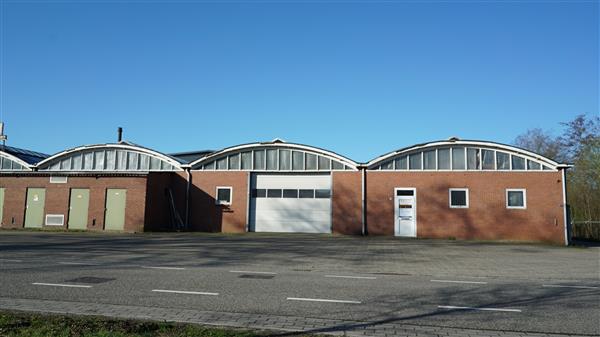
{"x":223,"y":196}
{"x":459,"y":198}
{"x":516,"y":198}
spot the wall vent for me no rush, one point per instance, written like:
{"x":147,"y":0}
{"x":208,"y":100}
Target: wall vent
{"x":58,"y":180}
{"x":55,"y":219}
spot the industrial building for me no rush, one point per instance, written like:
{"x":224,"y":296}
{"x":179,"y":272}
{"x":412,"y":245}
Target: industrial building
{"x":444,"y":189}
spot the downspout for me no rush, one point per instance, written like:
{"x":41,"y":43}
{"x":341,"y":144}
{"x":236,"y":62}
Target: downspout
{"x":363,"y":185}
{"x":187,"y":198}
{"x":564,"y":186}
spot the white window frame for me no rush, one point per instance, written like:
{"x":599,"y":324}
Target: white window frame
{"x":220,"y":202}
{"x":450,"y":190}
{"x":524,"y":198}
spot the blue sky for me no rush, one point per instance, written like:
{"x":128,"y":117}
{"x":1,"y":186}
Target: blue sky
{"x":360,"y":78}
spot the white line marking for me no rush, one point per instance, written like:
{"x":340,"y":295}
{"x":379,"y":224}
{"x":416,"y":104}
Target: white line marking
{"x":252,"y":272}
{"x":9,"y":260}
{"x":184,"y":292}
{"x":320,"y":300}
{"x":356,"y":277}
{"x":166,"y":268}
{"x":78,"y":263}
{"x":61,"y":285}
{"x":475,"y":308}
{"x":450,"y":281}
{"x":561,"y":286}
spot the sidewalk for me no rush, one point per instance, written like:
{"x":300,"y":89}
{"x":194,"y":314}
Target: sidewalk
{"x":282,"y":325}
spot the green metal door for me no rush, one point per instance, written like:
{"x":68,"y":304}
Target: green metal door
{"x":78,"y":208}
{"x":115,"y":209}
{"x":34,"y":210}
{"x":1,"y":203}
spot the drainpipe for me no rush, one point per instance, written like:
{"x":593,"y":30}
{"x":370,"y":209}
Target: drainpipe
{"x":363,"y":172}
{"x":566,"y":218}
{"x":187,"y":197}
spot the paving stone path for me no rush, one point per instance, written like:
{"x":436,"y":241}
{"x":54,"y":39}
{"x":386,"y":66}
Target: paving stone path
{"x":280,"y":325}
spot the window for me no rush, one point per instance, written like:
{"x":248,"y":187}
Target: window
{"x":271,"y":159}
{"x":324,"y":163}
{"x":443,"y":159}
{"x":259,"y":193}
{"x":259,"y":159}
{"x":473,"y":160}
{"x":223,"y":196}
{"x":516,"y":198}
{"x":487,"y":159}
{"x":273,"y":193}
{"x":311,"y":161}
{"x":297,"y":160}
{"x":246,"y":158}
{"x":518,"y":163}
{"x":289,"y":193}
{"x":502,"y":161}
{"x":458,"y":158}
{"x":401,"y":163}
{"x":285,"y":160}
{"x":387,"y":165}
{"x":415,"y":161}
{"x":531,"y":165}
{"x":306,"y":194}
{"x":459,"y":197}
{"x":429,"y":160}
{"x":234,"y":162}
{"x":322,"y":194}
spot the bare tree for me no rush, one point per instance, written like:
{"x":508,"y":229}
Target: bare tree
{"x":579,"y":145}
{"x":540,"y":141}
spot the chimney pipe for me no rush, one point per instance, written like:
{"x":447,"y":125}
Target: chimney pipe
{"x":119,"y":134}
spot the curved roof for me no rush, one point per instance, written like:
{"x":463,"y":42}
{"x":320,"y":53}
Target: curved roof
{"x":466,"y":143}
{"x":122,"y":146}
{"x":277,"y":143}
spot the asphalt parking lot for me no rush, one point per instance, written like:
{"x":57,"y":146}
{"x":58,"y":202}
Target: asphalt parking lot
{"x":524,"y":288}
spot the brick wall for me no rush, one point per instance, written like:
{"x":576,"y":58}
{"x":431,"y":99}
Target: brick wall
{"x":346,"y":203}
{"x":487,"y":216}
{"x":205,"y":215}
{"x":57,"y":198}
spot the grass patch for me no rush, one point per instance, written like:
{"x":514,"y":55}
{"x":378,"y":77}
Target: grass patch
{"x":20,"y":324}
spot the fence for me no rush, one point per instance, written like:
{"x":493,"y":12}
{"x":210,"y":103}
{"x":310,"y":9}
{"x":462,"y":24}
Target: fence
{"x":586,"y":230}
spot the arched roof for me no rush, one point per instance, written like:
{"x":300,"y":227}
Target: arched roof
{"x":8,"y":161}
{"x":347,"y":163}
{"x":453,"y":142}
{"x":136,"y":157}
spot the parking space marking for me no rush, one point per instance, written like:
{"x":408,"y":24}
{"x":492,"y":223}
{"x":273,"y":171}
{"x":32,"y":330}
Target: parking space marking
{"x":78,"y":263}
{"x":10,"y":260}
{"x":165,"y":268}
{"x":353,"y":277}
{"x":60,"y":285}
{"x":252,"y":272}
{"x":184,"y":292}
{"x":563,"y":286}
{"x":452,"y":281}
{"x":477,"y":308}
{"x":321,"y":300}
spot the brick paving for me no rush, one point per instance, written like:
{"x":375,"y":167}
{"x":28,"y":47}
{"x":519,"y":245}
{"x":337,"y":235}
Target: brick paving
{"x":280,"y":325}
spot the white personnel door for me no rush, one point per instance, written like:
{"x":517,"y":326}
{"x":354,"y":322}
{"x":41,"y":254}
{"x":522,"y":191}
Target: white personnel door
{"x":406,"y":212}
{"x":290,"y":203}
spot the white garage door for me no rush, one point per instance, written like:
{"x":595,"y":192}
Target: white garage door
{"x":290,"y":203}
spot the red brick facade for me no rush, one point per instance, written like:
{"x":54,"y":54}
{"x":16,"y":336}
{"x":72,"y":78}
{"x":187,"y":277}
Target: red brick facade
{"x":486,"y":217}
{"x":57,"y":198}
{"x":148,"y":205}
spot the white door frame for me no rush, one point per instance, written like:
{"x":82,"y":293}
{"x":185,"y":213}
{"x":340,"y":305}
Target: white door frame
{"x":396,"y":218}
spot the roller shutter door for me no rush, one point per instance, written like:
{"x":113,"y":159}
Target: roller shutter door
{"x":290,"y":203}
